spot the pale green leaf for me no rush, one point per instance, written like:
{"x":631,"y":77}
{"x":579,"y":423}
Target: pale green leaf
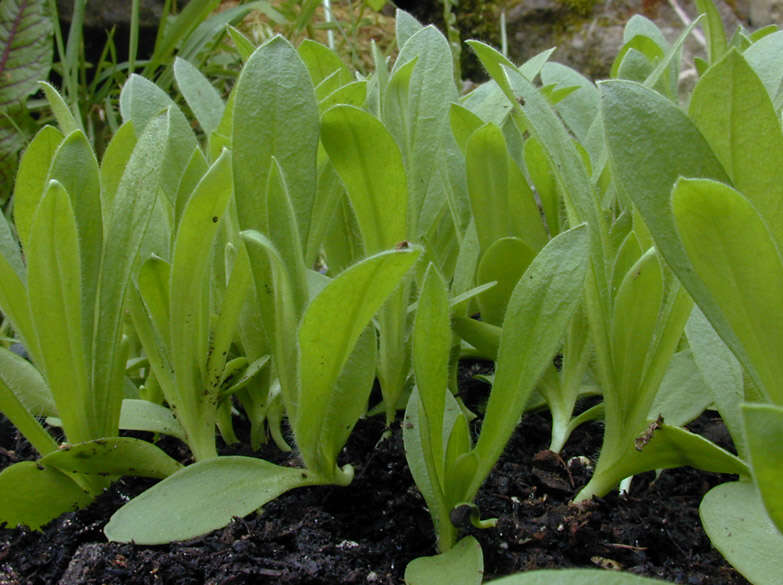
{"x":461,"y":565}
{"x":735,"y":115}
{"x":370,"y":165}
{"x":343,"y":309}
{"x":202,"y":497}
{"x":715,"y":221}
{"x":764,"y":436}
{"x":734,"y":518}
{"x":113,"y":456}
{"x":32,"y":495}
{"x":204,"y":100}
{"x":540,"y":307}
{"x":575,"y":577}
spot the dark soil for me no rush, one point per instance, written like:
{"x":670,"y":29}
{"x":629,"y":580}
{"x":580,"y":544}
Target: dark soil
{"x":369,"y":531}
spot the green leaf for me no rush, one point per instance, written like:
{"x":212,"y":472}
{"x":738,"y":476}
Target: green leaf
{"x":115,"y":456}
{"x":578,"y":109}
{"x":734,"y":518}
{"x":31,"y":179}
{"x":666,"y":447}
{"x":574,"y":577}
{"x":202,"y":497}
{"x":142,"y":415}
{"x":369,"y":163}
{"x":715,"y":221}
{"x":486,"y":164}
{"x":343,"y":308}
{"x":683,"y":394}
{"x":483,"y":336}
{"x":54,"y":279}
{"x":327,"y":70}
{"x":461,"y":565}
{"x":132,"y":207}
{"x":189,"y":318}
{"x":652,"y":143}
{"x":275,"y":114}
{"x":636,"y":315}
{"x":764,"y":435}
{"x":432,"y":342}
{"x":74,"y":166}
{"x":721,"y":371}
{"x":406,"y":26}
{"x":540,"y":307}
{"x":204,"y":100}
{"x":23,"y":396}
{"x":60,"y":109}
{"x":26,"y":46}
{"x":113,"y":164}
{"x":504,"y":262}
{"x":764,"y":56}
{"x":714,"y":31}
{"x":33,"y":495}
{"x":244,"y":45}
{"x":735,"y":115}
{"x":421,"y":124}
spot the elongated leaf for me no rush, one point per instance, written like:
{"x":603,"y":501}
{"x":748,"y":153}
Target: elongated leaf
{"x":113,"y":164}
{"x":54,"y":283}
{"x":23,"y":396}
{"x":764,"y":435}
{"x":202,"y":97}
{"x":62,"y":113}
{"x":461,"y":565}
{"x":32,"y":177}
{"x":202,"y":497}
{"x":275,"y":114}
{"x":432,"y":342}
{"x":574,"y":577}
{"x":635,"y":318}
{"x":74,"y":166}
{"x":32,"y":495}
{"x":683,"y":394}
{"x":486,"y":164}
{"x":406,"y":26}
{"x":115,"y":456}
{"x":423,"y":122}
{"x":539,"y":310}
{"x":733,"y":111}
{"x":370,"y":165}
{"x":190,"y":312}
{"x":132,"y":208}
{"x":652,"y":143}
{"x":143,"y":415}
{"x":721,"y":371}
{"x":26,"y":47}
{"x":715,"y":221}
{"x":504,"y":262}
{"x":734,"y":518}
{"x":342,"y":309}
{"x":714,"y":31}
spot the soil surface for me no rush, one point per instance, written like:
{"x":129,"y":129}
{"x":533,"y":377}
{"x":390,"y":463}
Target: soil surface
{"x":368,"y":532}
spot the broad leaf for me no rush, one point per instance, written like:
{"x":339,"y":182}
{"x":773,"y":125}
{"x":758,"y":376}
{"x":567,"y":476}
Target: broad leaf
{"x":202,"y":497}
{"x":716,"y":222}
{"x":575,"y":577}
{"x":370,"y":165}
{"x":734,"y":518}
{"x":33,"y":495}
{"x":202,"y":97}
{"x":461,"y":565}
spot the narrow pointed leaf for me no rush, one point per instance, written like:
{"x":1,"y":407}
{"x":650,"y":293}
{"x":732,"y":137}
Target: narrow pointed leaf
{"x":764,"y":435}
{"x":342,"y":309}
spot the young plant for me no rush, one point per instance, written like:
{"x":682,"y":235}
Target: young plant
{"x":445,"y":464}
{"x":720,"y":231}
{"x":63,"y":290}
{"x":635,"y":313}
